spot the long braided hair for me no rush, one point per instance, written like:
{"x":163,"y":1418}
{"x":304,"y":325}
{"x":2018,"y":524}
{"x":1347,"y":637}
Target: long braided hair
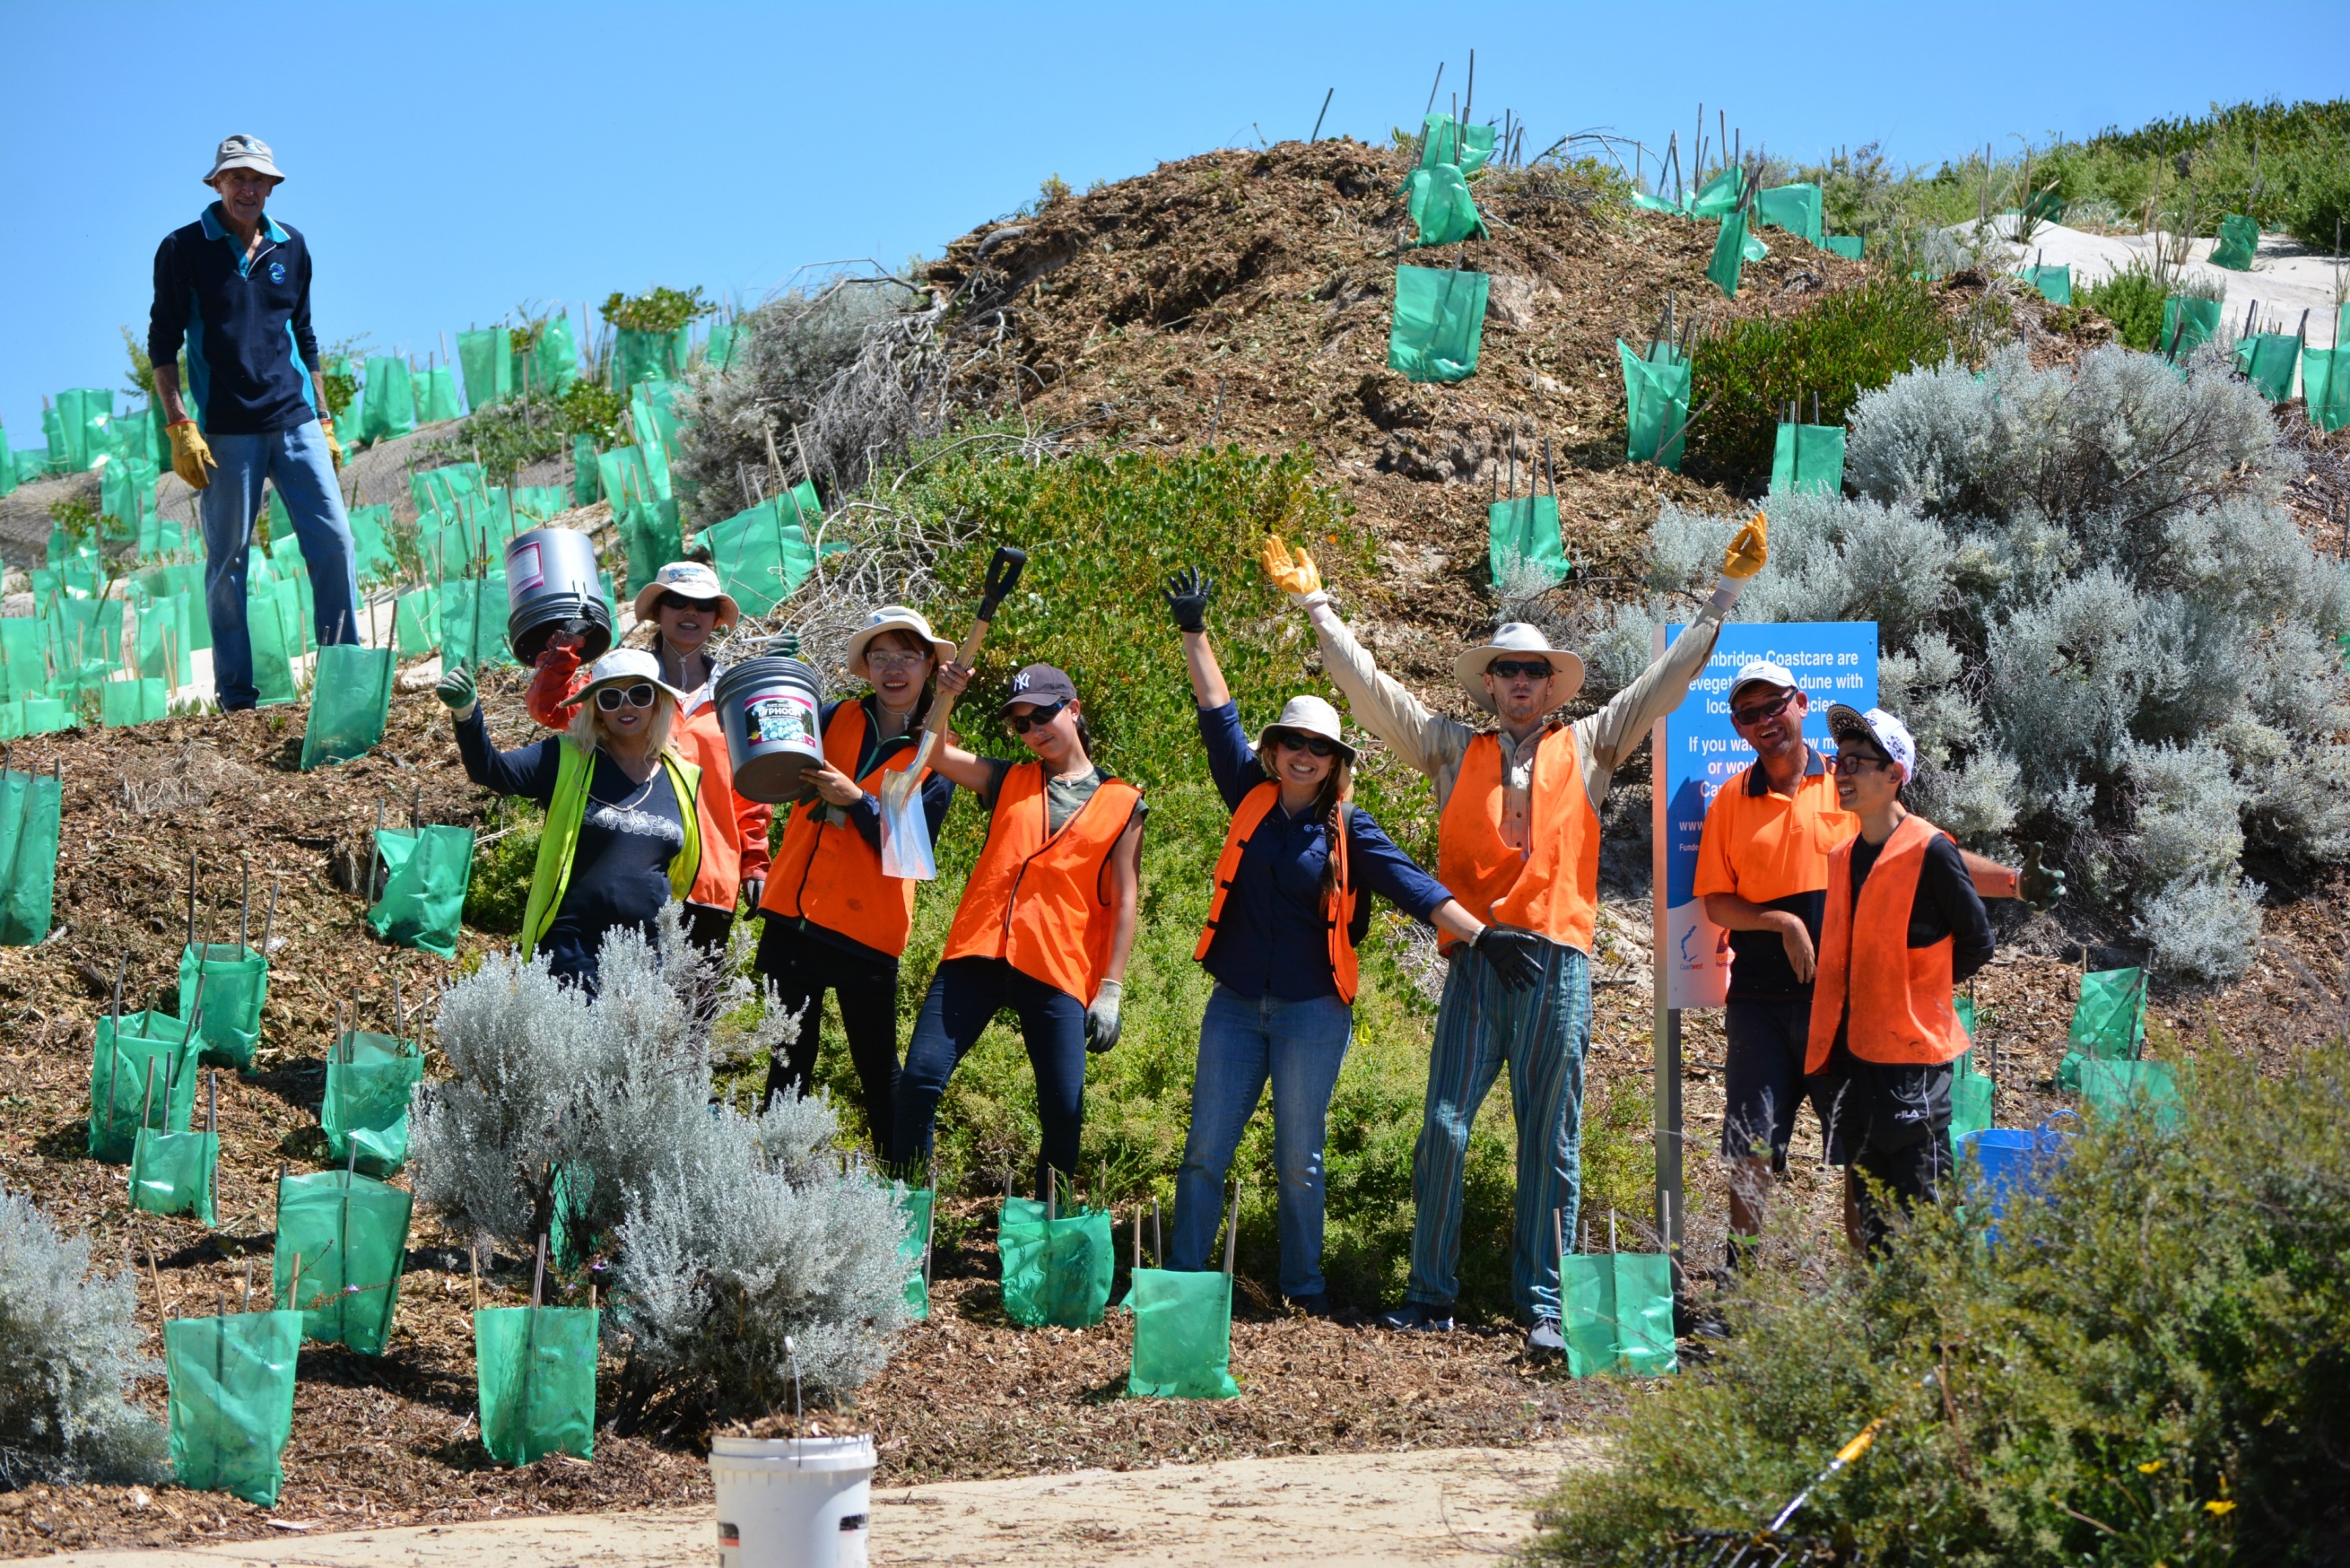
{"x":1331,"y":803}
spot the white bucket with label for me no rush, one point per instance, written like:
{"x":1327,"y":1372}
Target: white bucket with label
{"x":767,"y":707}
{"x":793,"y":1502}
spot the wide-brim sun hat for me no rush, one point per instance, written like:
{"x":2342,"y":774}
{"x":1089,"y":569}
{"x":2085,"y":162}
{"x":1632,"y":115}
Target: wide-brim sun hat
{"x":895,"y":617}
{"x":623,"y":667}
{"x":688,"y":580}
{"x":243,"y":151}
{"x":1306,"y":716}
{"x":1514,"y":637}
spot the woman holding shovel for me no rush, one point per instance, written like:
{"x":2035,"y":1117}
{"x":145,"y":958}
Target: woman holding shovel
{"x":623,"y":832}
{"x":835,"y":919}
{"x":684,"y":605}
{"x":1292,"y":901}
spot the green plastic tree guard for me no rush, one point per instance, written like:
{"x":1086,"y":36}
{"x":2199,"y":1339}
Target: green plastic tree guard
{"x":7,"y":463}
{"x":350,"y":1232}
{"x":2186,"y":326}
{"x":136,"y":701}
{"x":24,"y":672}
{"x":276,"y":641}
{"x":486,"y":357}
{"x":555,"y":363}
{"x":1728,"y":263}
{"x":370,"y":1079}
{"x":1718,"y":197}
{"x":2325,"y":386}
{"x":586,"y":486}
{"x":762,"y":553}
{"x":1182,"y":1335}
{"x":237,"y":988}
{"x":1056,"y":1271}
{"x":30,"y":806}
{"x":473,"y":621}
{"x":1808,"y":459}
{"x":653,"y":536}
{"x":425,"y":875}
{"x":535,"y":1369}
{"x":126,"y":1052}
{"x":2268,"y":360}
{"x":1794,"y":208}
{"x":1443,"y":210}
{"x":371,"y":541}
{"x":718,"y":350}
{"x":2054,"y":283}
{"x":2108,"y":1023}
{"x":2238,"y":242}
{"x":232,"y":1400}
{"x":416,"y":623}
{"x":436,"y":396}
{"x":126,"y":488}
{"x":2117,"y":1087}
{"x":1657,"y":405}
{"x":652,"y":407}
{"x":387,"y":400}
{"x":1971,"y":1103}
{"x":1619,"y":1313}
{"x":166,"y":638}
{"x":649,"y":356}
{"x":915,"y":1201}
{"x":349,"y":702}
{"x":1469,"y":150}
{"x":173,"y":1173}
{"x":1523,"y":543}
{"x":85,"y":417}
{"x":451,"y":489}
{"x":41,"y":715}
{"x":1440,"y":323}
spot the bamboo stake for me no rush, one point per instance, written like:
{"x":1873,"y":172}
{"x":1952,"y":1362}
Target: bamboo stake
{"x":147,"y":1101}
{"x":473,"y":1256}
{"x":1158,"y":1240}
{"x":1558,"y":1233}
{"x":245,"y":906}
{"x":271,"y":917}
{"x":1233,"y":1230}
{"x":538,"y":1277}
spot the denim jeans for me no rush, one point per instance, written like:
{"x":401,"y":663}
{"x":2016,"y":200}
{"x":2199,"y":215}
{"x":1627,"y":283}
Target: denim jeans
{"x":296,"y":462}
{"x":965,"y":995}
{"x":1300,"y":1046}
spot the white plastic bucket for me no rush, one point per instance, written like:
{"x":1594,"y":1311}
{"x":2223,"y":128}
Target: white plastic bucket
{"x":767,"y":707}
{"x":793,"y":1502}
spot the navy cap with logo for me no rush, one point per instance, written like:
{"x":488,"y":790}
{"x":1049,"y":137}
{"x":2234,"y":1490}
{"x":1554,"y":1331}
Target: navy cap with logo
{"x":1040,"y":684}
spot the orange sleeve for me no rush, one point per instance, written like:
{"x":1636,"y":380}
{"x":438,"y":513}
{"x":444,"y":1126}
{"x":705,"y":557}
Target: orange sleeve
{"x":1715,"y":874}
{"x":558,"y":676}
{"x":751,"y":818}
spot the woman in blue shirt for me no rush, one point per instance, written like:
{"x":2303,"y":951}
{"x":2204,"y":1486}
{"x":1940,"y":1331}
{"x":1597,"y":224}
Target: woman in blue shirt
{"x":1292,"y":900}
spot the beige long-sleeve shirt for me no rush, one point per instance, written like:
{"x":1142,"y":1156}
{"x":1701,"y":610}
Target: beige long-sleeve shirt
{"x":1435,"y":745}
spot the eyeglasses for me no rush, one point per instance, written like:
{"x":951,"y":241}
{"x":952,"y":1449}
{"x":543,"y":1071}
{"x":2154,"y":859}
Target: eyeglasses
{"x":1020,"y":724}
{"x":1852,"y":762}
{"x":893,"y":658}
{"x":1521,"y":670}
{"x":1757,"y":712}
{"x":639,"y":696}
{"x":680,"y":602}
{"x":1314,"y":743}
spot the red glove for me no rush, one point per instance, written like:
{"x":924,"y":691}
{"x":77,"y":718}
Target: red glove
{"x":558,"y":680}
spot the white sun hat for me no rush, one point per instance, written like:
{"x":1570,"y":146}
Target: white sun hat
{"x":1516,"y":638}
{"x":895,"y":617}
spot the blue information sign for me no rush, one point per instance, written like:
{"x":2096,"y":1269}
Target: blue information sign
{"x":1697,"y":751}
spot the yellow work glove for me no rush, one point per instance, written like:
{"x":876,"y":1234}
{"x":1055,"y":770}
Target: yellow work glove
{"x":191,"y":460}
{"x":1296,"y":576}
{"x":334,"y":447}
{"x":1748,"y":550}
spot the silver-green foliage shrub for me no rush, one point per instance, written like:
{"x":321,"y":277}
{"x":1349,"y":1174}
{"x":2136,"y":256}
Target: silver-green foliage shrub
{"x":68,"y":1353}
{"x":731,"y":1229}
{"x":2098,"y":616}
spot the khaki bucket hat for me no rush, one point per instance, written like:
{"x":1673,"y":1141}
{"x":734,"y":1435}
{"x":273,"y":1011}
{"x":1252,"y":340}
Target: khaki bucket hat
{"x":688,"y":580}
{"x":244,"y":152}
{"x":1512,"y":639}
{"x":895,"y":617}
{"x":1306,"y":716}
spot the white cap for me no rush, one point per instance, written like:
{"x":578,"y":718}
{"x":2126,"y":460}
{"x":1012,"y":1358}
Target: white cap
{"x":1889,"y":735}
{"x":1763,"y":669}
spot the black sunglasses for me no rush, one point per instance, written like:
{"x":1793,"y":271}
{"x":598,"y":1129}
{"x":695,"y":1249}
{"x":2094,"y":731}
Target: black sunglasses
{"x":1314,"y":743}
{"x":1759,"y":711}
{"x":1020,"y":724}
{"x":1534,"y":669}
{"x":609,"y":698}
{"x":679,"y":602}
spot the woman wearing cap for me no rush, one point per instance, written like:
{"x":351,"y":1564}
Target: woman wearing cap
{"x":833,"y":919}
{"x":623,"y":832}
{"x":684,"y":605}
{"x":1047,"y":919}
{"x":1903,"y":925}
{"x":1290,"y":906}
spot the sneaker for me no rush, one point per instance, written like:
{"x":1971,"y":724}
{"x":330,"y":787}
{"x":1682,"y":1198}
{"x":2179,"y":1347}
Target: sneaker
{"x":1418,"y":1317}
{"x":1315,"y":1305}
{"x":1545,"y":1339}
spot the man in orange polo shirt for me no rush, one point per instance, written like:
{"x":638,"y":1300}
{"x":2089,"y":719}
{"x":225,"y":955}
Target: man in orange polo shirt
{"x":1762,"y":871}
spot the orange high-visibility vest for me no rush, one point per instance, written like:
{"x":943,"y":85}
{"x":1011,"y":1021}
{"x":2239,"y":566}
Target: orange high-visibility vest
{"x":825,"y":872}
{"x":1552,"y":889}
{"x":1339,"y":917}
{"x":1898,"y":996}
{"x":1040,"y":901}
{"x":733,"y":830}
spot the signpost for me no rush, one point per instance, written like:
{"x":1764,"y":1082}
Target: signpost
{"x":1696,"y":751}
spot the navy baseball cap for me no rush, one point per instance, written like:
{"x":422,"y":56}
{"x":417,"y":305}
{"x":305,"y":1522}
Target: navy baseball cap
{"x":1041,"y":685}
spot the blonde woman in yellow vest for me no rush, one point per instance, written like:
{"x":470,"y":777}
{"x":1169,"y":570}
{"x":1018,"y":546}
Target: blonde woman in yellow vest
{"x":1518,"y":845}
{"x":1291,"y":902}
{"x":623,"y":834}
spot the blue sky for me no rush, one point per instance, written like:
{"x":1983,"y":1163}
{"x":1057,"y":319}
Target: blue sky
{"x":449,"y":162}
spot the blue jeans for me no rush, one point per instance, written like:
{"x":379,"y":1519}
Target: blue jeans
{"x":1542,"y":1033}
{"x":964,"y":997}
{"x":1300,"y":1046}
{"x":296,"y":462}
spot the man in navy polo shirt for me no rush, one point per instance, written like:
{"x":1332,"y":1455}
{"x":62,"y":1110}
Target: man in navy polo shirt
{"x":234,"y":287}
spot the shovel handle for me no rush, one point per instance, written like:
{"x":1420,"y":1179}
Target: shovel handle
{"x":1003,"y":575}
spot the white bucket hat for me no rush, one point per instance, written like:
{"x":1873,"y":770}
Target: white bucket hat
{"x":623,"y":666}
{"x":1514,"y":637}
{"x":895,"y":617}
{"x":1306,"y":716}
{"x":244,"y":152}
{"x":688,"y":580}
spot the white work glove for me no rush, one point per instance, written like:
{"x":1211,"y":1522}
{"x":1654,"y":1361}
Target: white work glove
{"x":1101,"y":1018}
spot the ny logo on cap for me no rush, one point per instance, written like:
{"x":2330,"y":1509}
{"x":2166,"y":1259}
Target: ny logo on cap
{"x":1020,"y":681}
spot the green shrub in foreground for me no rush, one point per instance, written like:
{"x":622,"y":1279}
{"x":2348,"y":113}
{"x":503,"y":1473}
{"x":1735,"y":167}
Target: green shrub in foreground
{"x":2132,"y":301}
{"x":2152,"y":1366}
{"x":1848,"y":344}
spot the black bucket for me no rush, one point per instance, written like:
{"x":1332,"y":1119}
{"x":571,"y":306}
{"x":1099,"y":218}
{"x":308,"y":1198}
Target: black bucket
{"x":552,"y":586}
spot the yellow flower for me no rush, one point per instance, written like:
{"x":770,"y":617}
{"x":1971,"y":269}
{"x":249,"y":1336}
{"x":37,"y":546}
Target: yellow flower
{"x":2219,"y":1505}
{"x":2148,"y":1468}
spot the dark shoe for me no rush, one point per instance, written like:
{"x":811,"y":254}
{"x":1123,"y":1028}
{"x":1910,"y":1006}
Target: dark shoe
{"x":1543,"y":1339}
{"x":1315,"y":1305}
{"x":1417,"y":1317}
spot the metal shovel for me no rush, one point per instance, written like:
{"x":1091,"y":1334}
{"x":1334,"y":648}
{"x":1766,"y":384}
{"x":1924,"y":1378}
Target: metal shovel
{"x":905,"y":835}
